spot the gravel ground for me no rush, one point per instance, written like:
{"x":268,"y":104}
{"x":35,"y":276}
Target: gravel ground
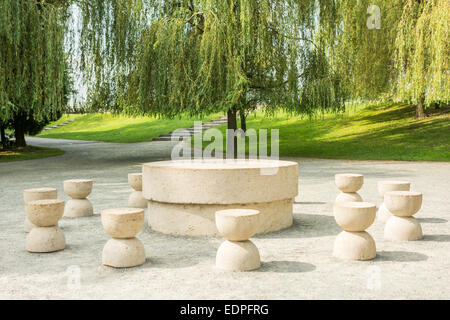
{"x":296,"y":262}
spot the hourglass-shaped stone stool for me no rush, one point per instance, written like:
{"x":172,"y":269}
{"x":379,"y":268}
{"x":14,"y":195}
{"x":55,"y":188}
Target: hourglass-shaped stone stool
{"x":46,"y":236}
{"x":136,"y":200}
{"x":123,"y":250}
{"x":37,"y":194}
{"x":402,"y":226}
{"x":383,"y":213}
{"x":237,"y":253}
{"x":79,"y":205}
{"x":349,"y":183}
{"x":354,"y":243}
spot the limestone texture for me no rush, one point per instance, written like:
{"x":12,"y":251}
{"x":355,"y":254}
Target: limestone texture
{"x":37,"y":194}
{"x":124,"y":250}
{"x":45,"y":239}
{"x":79,"y":205}
{"x":402,"y":226}
{"x":354,"y":246}
{"x":183,"y":195}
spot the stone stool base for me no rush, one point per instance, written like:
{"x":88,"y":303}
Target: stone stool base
{"x":136,"y":200}
{"x":78,"y":208}
{"x":349,"y":197}
{"x":383,"y":214}
{"x":238,"y":256}
{"x":354,"y":246}
{"x":123,"y":253}
{"x":402,"y":229}
{"x":45,"y":239}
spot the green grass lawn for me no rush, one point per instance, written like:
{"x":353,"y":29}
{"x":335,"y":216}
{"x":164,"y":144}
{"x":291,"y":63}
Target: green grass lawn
{"x":118,"y":128}
{"x":65,"y":117}
{"x":28,"y":153}
{"x":377,"y":132}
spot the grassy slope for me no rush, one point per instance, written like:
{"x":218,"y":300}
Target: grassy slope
{"x":28,"y":153}
{"x":112,"y":128}
{"x":64,"y":118}
{"x":378,"y":132}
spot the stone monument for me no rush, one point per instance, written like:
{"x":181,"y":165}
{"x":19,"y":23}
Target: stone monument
{"x":136,"y":200}
{"x":46,"y":236}
{"x":354,"y":243}
{"x":123,"y":250}
{"x":183,"y":195}
{"x":402,"y":226}
{"x":237,"y":253}
{"x":79,"y":205}
{"x":37,"y":194}
{"x":383,"y":214}
{"x":349,"y":184}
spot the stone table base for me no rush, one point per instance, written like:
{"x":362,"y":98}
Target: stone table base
{"x":199,"y":219}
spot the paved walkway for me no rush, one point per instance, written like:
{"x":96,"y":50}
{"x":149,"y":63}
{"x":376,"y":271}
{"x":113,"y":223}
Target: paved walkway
{"x":297,"y":262}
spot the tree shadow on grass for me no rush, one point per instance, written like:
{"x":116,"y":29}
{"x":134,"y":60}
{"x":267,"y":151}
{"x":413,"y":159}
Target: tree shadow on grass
{"x":394,"y":139}
{"x":286,"y":267}
{"x":400,"y":256}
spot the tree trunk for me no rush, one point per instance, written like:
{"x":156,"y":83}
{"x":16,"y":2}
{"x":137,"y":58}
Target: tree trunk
{"x":243,"y":121}
{"x":3,"y":137}
{"x":19,"y":130}
{"x":232,"y":139}
{"x":420,"y":109}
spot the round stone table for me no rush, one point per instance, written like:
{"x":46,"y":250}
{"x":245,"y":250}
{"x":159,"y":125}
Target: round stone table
{"x":183,"y":195}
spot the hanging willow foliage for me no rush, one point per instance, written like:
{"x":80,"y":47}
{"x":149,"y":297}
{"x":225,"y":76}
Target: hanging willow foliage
{"x":406,"y":59}
{"x":200,"y":56}
{"x":422,"y":52}
{"x":33,"y":68}
{"x":363,"y":55}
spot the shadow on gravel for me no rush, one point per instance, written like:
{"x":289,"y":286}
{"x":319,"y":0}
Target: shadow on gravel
{"x":437,"y":237}
{"x":306,"y":226}
{"x":308,"y":202}
{"x":400,"y":256}
{"x":286,"y":267}
{"x":432,"y":220}
{"x":170,"y":262}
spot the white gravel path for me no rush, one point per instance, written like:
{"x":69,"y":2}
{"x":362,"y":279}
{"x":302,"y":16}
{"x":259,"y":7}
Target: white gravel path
{"x":297,"y":262}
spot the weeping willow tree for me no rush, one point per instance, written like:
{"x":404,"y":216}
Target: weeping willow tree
{"x":167,"y":58}
{"x":404,"y":58}
{"x":422,"y":53}
{"x":361,"y":47}
{"x":33,"y":65}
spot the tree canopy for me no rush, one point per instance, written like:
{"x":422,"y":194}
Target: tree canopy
{"x":33,"y":65}
{"x":167,"y":58}
{"x":405,"y":59}
{"x":202,"y":56}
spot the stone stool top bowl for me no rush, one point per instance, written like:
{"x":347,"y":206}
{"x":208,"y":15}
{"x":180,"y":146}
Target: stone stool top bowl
{"x":45,"y":213}
{"x":403,"y":203}
{"x":39,"y":194}
{"x":123,"y":223}
{"x":135,"y":181}
{"x":354,"y":216}
{"x":385,"y":186}
{"x":78,"y":188}
{"x":237,"y":224}
{"x":349,"y":182}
